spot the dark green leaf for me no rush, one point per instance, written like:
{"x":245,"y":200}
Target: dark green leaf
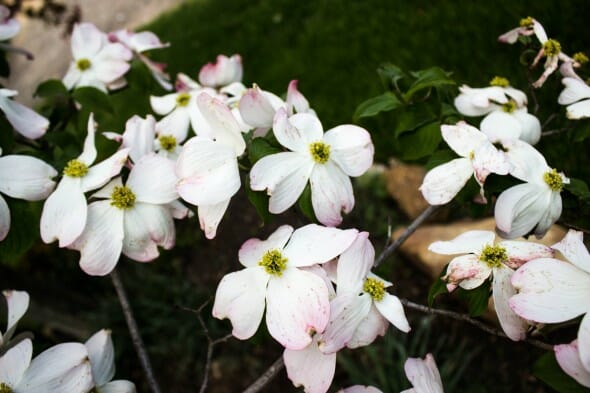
{"x":24,"y":230}
{"x":260,"y":201}
{"x":419,"y":143}
{"x":548,"y":370}
{"x":431,"y":77}
{"x":51,"y":88}
{"x":93,"y":99}
{"x":383,"y":103}
{"x":438,"y":287}
{"x":477,"y":299}
{"x":411,"y":117}
{"x":440,"y":157}
{"x":390,"y":73}
{"x":304,"y":203}
{"x":260,"y":147}
{"x":579,"y":188}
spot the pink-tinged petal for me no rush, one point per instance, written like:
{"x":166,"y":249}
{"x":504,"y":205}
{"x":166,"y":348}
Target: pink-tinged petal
{"x":511,"y":36}
{"x":101,"y":353}
{"x":153,"y":180}
{"x":575,"y":90}
{"x":572,"y":247}
{"x":25,"y":121}
{"x":87,"y":40}
{"x":578,"y":110}
{"x":297,"y":305}
{"x":102,"y":240}
{"x":110,"y":63}
{"x":331,"y":193}
{"x":157,"y":70}
{"x":531,"y":127}
{"x":146,"y":227}
{"x":527,"y":163}
{"x":89,"y":151}
{"x":165,"y":104}
{"x":240,"y":298}
{"x":360,"y":389}
{"x":487,"y":159}
{"x":373,"y":325}
{"x":309,"y":126}
{"x":64,"y":213}
{"x":287,"y":134}
{"x":522,"y":252}
{"x":550,"y":291}
{"x":310,"y":368}
{"x":584,"y":341}
{"x":314,"y":243}
{"x":354,"y":264}
{"x":347,"y":310}
{"x":146,"y":40}
{"x":210,"y":216}
{"x":519,"y":209}
{"x":466,"y":243}
{"x":467,"y":271}
{"x":225,"y":71}
{"x":320,"y":271}
{"x":296,"y":102}
{"x":50,"y":371}
{"x":15,"y":362}
{"x":423,"y":374}
{"x":25,"y":177}
{"x":514,"y":326}
{"x":442,"y":183}
{"x":254,"y":249}
{"x":120,"y":386}
{"x":207,"y":171}
{"x":500,"y":125}
{"x":284,"y":176}
{"x":351,"y":148}
{"x":256,"y":109}
{"x":225,"y":127}
{"x":462,"y":138}
{"x":101,"y":173}
{"x":568,"y":357}
{"x":391,"y":308}
{"x":8,"y":29}
{"x":4,"y":219}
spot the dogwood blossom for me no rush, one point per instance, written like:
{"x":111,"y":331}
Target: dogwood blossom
{"x":22,"y":177}
{"x":424,"y":375}
{"x":483,"y":258}
{"x":568,"y":357}
{"x":311,"y":368}
{"x":138,"y":137}
{"x":133,"y":219}
{"x":576,"y":96}
{"x":296,"y":300}
{"x":25,"y":121}
{"x":18,"y":303}
{"x":101,"y":354}
{"x":326,"y":160}
{"x":97,"y":62}
{"x":65,"y":211}
{"x":534,"y":205}
{"x":224,"y":71}
{"x":9,"y":27}
{"x":479,"y":158}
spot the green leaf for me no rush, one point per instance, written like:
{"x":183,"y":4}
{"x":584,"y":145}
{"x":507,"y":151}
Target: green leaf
{"x":51,"y":88}
{"x":579,"y":188}
{"x":93,"y":99}
{"x":431,"y":77}
{"x":438,"y":287}
{"x":304,"y":203}
{"x":411,"y":117}
{"x":390,"y":73}
{"x":548,"y":370}
{"x":24,"y":230}
{"x":477,"y":299}
{"x":440,"y":157}
{"x":260,"y":147}
{"x":260,"y":201}
{"x":383,"y":103}
{"x":420,"y":143}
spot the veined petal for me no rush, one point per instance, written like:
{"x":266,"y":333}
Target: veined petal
{"x":296,"y":102}
{"x":210,"y":216}
{"x":146,"y":227}
{"x":254,"y":249}
{"x":442,"y":183}
{"x":487,"y":159}
{"x":64,"y":213}
{"x":18,"y":303}
{"x":521,"y":252}
{"x":391,"y":308}
{"x":373,"y":325}
{"x":287,"y":134}
{"x":153,"y":180}
{"x":4,"y":218}
{"x":572,"y":247}
{"x":514,"y":326}
{"x":584,"y":341}
{"x":102,"y":240}
{"x":331,"y":193}
{"x":314,"y":243}
{"x":102,"y":356}
{"x":462,"y":138}
{"x":519,"y":209}
{"x":110,"y":63}
{"x":120,"y":386}
{"x":310,"y":368}
{"x":575,"y":90}
{"x":550,"y":291}
{"x":101,"y":173}
{"x":297,"y":305}
{"x":139,"y":136}
{"x":467,"y":271}
{"x":568,"y":357}
{"x":87,"y":40}
{"x":351,"y":148}
{"x":466,"y":243}
{"x":225,"y":127}
{"x":551,"y":214}
{"x":423,"y":374}
{"x":25,"y":121}
{"x":25,"y":177}
{"x":527,"y":163}
{"x":240,"y":298}
{"x":256,"y":109}
{"x":354,"y":264}
{"x":499,"y":125}
{"x":15,"y":362}
{"x":309,"y":126}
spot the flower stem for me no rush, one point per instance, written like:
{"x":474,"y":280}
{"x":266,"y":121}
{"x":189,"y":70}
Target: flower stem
{"x":268,"y":375}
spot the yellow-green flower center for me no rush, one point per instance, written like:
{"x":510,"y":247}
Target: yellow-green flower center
{"x":83,"y":64}
{"x":4,"y":388}
{"x":375,"y":288}
{"x":499,"y":81}
{"x":493,"y":256}
{"x":168,"y":142}
{"x":527,"y":22}
{"x":510,"y":106}
{"x":471,"y":155}
{"x":320,"y":152}
{"x":552,"y":47}
{"x":553,"y":180}
{"x":182,"y":99}
{"x":75,"y":168}
{"x":273,"y":262}
{"x":122,"y":197}
{"x":581,"y":58}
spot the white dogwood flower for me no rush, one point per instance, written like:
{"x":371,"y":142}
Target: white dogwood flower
{"x":576,"y":95}
{"x":25,"y":121}
{"x":18,"y":303}
{"x":424,"y":375}
{"x":101,"y":354}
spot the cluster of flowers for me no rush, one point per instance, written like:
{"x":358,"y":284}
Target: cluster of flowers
{"x":63,"y":368}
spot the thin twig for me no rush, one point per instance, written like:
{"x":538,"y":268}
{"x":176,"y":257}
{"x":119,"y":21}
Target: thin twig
{"x":409,"y":230}
{"x":549,"y":120}
{"x":555,"y":132}
{"x":472,"y":321}
{"x":268,"y":375}
{"x":134,"y":331}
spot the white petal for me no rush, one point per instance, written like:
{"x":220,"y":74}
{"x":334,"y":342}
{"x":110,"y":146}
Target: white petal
{"x":210,"y":216}
{"x":287,"y":134}
{"x":575,"y":90}
{"x":165,"y":104}
{"x":551,"y":214}
{"x":153,"y":180}
{"x":423,"y":374}
{"x":15,"y":361}
{"x":146,"y":227}
{"x":313,"y":244}
{"x":466,"y":243}
{"x":9,"y":28}
{"x":487,"y":159}
{"x":531,"y":127}
{"x":373,"y":325}
{"x":351,"y":148}
{"x":584,"y":341}
{"x":253,"y":249}
{"x":25,"y":177}
{"x":4,"y":219}
{"x":240,"y":298}
{"x":354,"y":264}
{"x":517,"y":95}
{"x":467,"y":271}
{"x":18,"y":303}
{"x":568,"y":357}
{"x":462,"y":138}
{"x":107,"y":191}
{"x":365,"y":389}
{"x":72,"y":76}
{"x":500,"y":125}
{"x":102,"y":356}
{"x":527,"y":163}
{"x":225,"y":127}
{"x":120,"y":386}
{"x":520,"y":252}
{"x":295,"y":100}
{"x":102,"y":240}
{"x":86,"y":40}
{"x":331,"y":193}
{"x":256,"y":109}
{"x":519,"y":209}
{"x":572,"y":247}
{"x":101,"y":173}
{"x":89,"y":152}
{"x":391,"y":308}
{"x":309,"y":126}
{"x":550,"y":291}
{"x":578,"y":110}
{"x":297,"y":305}
{"x":442,"y":183}
{"x":514,"y":326}
{"x":25,"y":121}
{"x":139,"y":136}
{"x":310,"y":368}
